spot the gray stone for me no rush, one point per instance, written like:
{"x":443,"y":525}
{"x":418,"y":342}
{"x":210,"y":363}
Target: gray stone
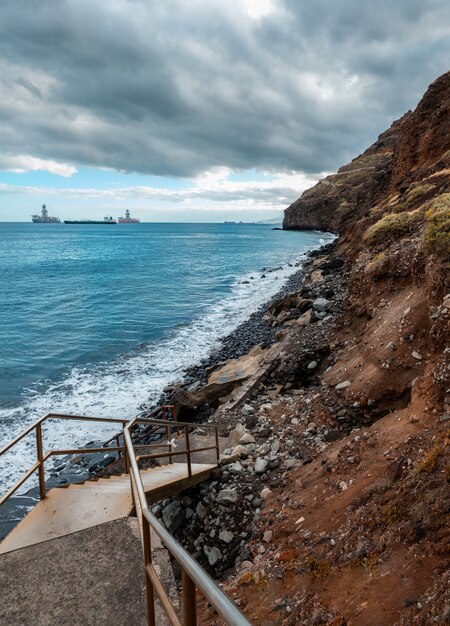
{"x":322,"y":304}
{"x":201,"y":510}
{"x":343,"y":385}
{"x":247,"y":438}
{"x":260,"y":465}
{"x":196,"y":385}
{"x":247,"y":409}
{"x":256,"y":502}
{"x":312,"y":365}
{"x":235,"y":468}
{"x":226,"y":536}
{"x":214,"y":555}
{"x":416,"y":356}
{"x":227,"y":496}
{"x":173,"y":516}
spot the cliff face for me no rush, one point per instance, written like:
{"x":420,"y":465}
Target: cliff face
{"x":424,"y":138}
{"x":331,"y":204}
{"x":415,"y":147}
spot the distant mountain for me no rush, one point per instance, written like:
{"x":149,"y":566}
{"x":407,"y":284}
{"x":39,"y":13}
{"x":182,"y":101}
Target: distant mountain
{"x":272,"y":220}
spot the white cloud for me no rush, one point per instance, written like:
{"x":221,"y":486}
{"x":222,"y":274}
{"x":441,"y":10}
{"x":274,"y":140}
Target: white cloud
{"x":258,"y":8}
{"x":25,"y":163}
{"x":213,"y":191}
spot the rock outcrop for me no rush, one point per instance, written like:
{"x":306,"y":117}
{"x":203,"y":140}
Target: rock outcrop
{"x":416,"y":148}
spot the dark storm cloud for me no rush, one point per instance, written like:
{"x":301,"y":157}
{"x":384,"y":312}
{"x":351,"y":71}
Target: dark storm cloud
{"x":176,"y":88}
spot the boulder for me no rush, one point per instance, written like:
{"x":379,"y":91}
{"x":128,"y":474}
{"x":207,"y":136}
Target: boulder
{"x":221,"y":383}
{"x":173,"y":516}
{"x":227,"y":496}
{"x":246,"y":438}
{"x":292,"y":301}
{"x":322,"y":304}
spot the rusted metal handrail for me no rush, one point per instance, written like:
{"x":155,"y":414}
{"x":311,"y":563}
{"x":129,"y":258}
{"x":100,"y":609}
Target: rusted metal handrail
{"x":194,"y":576}
{"x":164,"y":409}
{"x":39,"y":466}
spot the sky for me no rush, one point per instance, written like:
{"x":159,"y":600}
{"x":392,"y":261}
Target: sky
{"x":204,"y":110}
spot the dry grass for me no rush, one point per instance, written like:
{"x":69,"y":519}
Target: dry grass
{"x":391,"y":227}
{"x":318,"y":568}
{"x":437,"y":231}
{"x":429,"y":462}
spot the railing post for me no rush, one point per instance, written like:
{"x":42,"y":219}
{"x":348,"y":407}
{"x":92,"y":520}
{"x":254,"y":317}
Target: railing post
{"x":216,"y":433}
{"x":188,"y":450}
{"x":189,"y":601}
{"x":147,"y":561}
{"x":40,"y":458}
{"x":168,"y":435}
{"x":125,"y":453}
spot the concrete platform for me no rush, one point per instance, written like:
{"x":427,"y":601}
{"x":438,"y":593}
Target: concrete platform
{"x":90,"y":577}
{"x":80,"y":506}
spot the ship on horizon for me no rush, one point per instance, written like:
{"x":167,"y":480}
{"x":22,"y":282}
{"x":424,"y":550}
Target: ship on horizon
{"x":128,"y":219}
{"x":106,"y":220}
{"x":44,"y":217}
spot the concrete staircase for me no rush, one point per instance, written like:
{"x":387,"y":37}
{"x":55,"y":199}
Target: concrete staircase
{"x":79,"y":558}
{"x":76,"y":507}
{"x":76,"y":557}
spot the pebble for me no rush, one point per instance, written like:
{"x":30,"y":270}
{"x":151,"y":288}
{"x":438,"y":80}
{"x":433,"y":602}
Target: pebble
{"x":246,"y":439}
{"x":267,"y":537}
{"x":214,"y":554}
{"x":312,"y":365}
{"x":343,"y":485}
{"x":260,"y":465}
{"x":226,"y":536}
{"x":201,"y":510}
{"x":247,"y":409}
{"x":235,"y":468}
{"x":416,"y":356}
{"x":343,"y":385}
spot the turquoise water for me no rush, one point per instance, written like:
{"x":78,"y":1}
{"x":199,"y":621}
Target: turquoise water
{"x":98,"y":319}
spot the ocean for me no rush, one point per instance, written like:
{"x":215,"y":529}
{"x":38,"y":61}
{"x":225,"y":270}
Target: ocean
{"x":96,"y":320}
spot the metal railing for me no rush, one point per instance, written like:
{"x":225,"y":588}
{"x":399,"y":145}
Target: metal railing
{"x":194,"y":576}
{"x":42,"y":457}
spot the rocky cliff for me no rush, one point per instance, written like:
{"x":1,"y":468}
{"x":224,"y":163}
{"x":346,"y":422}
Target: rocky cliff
{"x":404,"y":169}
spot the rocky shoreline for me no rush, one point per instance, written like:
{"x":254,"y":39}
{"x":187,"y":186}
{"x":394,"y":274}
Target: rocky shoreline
{"x":218,"y":521}
{"x":256,"y":330}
